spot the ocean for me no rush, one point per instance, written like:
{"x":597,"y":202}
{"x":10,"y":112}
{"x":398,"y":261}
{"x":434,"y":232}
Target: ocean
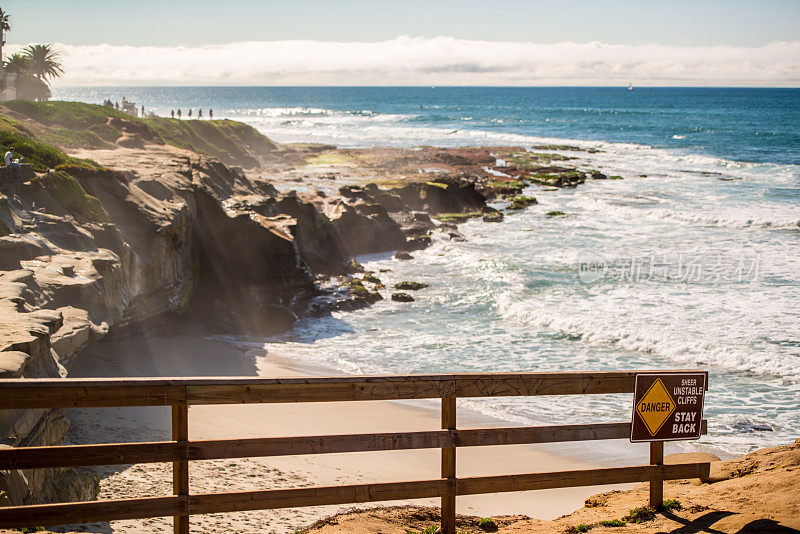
{"x":690,"y":261}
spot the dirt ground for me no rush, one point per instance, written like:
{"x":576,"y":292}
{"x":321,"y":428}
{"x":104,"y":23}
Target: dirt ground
{"x":757,"y":493}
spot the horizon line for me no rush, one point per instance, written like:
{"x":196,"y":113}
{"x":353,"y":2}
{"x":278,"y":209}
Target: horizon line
{"x":423,"y":86}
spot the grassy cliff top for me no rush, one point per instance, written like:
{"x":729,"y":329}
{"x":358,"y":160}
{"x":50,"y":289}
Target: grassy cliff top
{"x":17,"y":136}
{"x":78,"y":125}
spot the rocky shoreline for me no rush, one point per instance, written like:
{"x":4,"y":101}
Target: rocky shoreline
{"x":131,"y":227}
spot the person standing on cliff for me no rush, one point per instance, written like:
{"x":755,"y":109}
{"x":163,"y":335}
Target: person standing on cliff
{"x":172,"y":112}
{"x":190,"y":113}
{"x":200,"y":113}
{"x":179,"y":113}
{"x":210,"y":113}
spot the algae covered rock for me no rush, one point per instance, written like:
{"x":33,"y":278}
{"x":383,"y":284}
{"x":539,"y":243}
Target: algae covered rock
{"x":372,"y":279}
{"x":403,"y":256}
{"x":354,"y":267}
{"x":506,"y":187}
{"x":356,"y":286}
{"x":402,"y":297}
{"x":417,"y":242}
{"x":521,"y":202}
{"x":457,"y":217}
{"x":555,"y":214}
{"x":566,"y":178}
{"x":410,"y":286}
{"x":492,"y":215}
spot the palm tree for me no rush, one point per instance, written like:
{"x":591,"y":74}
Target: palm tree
{"x":26,"y":85}
{"x":17,"y":63}
{"x":44,"y":61}
{"x":5,"y":25}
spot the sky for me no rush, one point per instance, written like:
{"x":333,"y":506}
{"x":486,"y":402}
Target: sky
{"x":415,"y":42}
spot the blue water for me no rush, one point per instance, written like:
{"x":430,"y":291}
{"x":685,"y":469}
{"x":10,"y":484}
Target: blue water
{"x":754,"y":125}
{"x":700,"y":243}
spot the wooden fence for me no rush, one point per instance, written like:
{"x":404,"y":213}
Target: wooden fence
{"x":180,"y":393}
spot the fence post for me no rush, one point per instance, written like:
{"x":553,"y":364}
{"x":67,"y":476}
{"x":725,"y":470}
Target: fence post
{"x":657,"y":482}
{"x":449,"y":469}
{"x":180,"y":469}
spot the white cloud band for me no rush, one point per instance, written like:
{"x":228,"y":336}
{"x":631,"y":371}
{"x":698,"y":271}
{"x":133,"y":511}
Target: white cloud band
{"x":425,"y":61}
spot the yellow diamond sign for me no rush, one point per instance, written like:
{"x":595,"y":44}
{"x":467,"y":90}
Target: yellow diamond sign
{"x":655,"y":407}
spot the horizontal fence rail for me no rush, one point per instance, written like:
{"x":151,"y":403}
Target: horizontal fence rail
{"x":170,"y":451}
{"x":103,"y":392}
{"x":180,"y":393}
{"x":89,"y":512}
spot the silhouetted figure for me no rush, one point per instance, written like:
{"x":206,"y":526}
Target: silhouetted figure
{"x":179,"y":113}
{"x":210,"y":113}
{"x":200,"y":113}
{"x":172,"y":113}
{"x":190,"y":112}
{"x":142,"y":111}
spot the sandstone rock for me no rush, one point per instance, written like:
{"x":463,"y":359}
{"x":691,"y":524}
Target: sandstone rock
{"x":7,"y":174}
{"x":443,"y":195}
{"x":17,"y":248}
{"x":14,"y":485}
{"x":13,"y":363}
{"x":75,"y":334}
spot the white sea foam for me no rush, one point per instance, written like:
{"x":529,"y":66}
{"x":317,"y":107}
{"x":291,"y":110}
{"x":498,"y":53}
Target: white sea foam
{"x":509,"y":298}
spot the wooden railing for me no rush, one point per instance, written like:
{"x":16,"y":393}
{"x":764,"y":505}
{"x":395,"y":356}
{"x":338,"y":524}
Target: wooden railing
{"x":180,"y":393}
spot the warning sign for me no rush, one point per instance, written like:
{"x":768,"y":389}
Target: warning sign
{"x":668,"y":406}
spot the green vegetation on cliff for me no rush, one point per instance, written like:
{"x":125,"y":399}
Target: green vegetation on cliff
{"x":69,"y":193}
{"x":228,"y":141}
{"x":42,"y":156}
{"x":79,"y":125}
{"x":72,"y":115}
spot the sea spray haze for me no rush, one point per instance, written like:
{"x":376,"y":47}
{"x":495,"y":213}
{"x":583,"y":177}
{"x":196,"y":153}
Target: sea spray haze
{"x":696,"y":248}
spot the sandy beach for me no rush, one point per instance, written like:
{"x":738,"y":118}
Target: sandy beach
{"x":198,"y":356}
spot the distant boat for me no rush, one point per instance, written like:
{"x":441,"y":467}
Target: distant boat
{"x":630,"y":86}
